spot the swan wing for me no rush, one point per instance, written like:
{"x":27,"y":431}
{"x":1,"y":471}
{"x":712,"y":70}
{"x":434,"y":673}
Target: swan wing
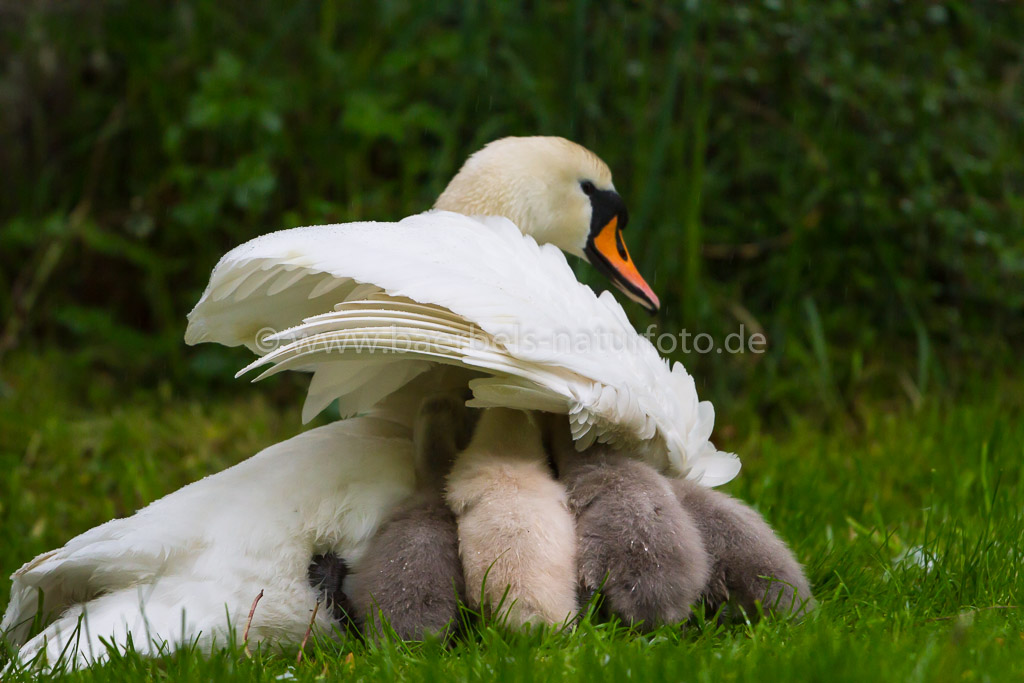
{"x":189,"y":565}
{"x":443,"y":288}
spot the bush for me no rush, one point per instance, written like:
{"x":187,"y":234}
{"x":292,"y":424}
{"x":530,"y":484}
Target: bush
{"x":846,"y":178}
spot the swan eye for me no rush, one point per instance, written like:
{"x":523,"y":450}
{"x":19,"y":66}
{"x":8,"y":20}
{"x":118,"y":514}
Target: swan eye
{"x":587,"y":187}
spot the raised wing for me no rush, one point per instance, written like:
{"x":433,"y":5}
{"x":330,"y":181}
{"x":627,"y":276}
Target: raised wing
{"x":369,"y":306}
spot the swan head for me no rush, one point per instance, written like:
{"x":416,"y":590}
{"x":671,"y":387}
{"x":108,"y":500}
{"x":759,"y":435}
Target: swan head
{"x":557,"y":192}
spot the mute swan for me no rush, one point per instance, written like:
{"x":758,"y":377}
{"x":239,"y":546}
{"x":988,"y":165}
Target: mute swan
{"x":463,"y":328}
{"x":474,"y":304}
{"x":474,"y":293}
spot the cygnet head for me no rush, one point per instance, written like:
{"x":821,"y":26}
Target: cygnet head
{"x":558,"y":192}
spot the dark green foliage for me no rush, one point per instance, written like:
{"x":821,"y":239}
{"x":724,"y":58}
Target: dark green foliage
{"x":846,"y":177}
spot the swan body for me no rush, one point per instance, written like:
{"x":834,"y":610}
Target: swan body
{"x":189,"y":566}
{"x":484,"y":303}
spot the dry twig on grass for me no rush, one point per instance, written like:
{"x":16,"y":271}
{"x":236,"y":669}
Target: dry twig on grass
{"x":248,"y":623}
{"x":309,"y":629}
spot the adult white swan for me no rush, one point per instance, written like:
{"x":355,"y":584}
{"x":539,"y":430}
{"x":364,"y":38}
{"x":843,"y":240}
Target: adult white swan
{"x":442,"y":288}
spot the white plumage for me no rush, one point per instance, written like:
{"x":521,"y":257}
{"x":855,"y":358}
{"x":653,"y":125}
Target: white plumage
{"x":187,"y":567}
{"x":475,"y":292}
{"x":477,"y":295}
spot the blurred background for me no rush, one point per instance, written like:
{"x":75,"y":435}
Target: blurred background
{"x":846,"y":177}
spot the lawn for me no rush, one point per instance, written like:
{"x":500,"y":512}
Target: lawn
{"x":910,"y":522}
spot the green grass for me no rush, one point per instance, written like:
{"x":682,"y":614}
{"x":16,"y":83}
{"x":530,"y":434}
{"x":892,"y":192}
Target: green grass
{"x":911,"y":525}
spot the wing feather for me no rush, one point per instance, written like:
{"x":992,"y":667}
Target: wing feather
{"x":442,"y":288}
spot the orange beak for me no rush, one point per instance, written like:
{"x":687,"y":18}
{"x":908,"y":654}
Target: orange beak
{"x":608,"y":253}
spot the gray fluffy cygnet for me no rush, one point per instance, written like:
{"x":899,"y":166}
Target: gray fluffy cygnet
{"x":655,"y":546}
{"x":635,"y":542}
{"x":749,"y":562}
{"x":411,"y":575}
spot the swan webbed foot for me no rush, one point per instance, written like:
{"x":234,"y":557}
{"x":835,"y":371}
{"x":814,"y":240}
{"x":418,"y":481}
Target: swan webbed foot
{"x":752,"y":566}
